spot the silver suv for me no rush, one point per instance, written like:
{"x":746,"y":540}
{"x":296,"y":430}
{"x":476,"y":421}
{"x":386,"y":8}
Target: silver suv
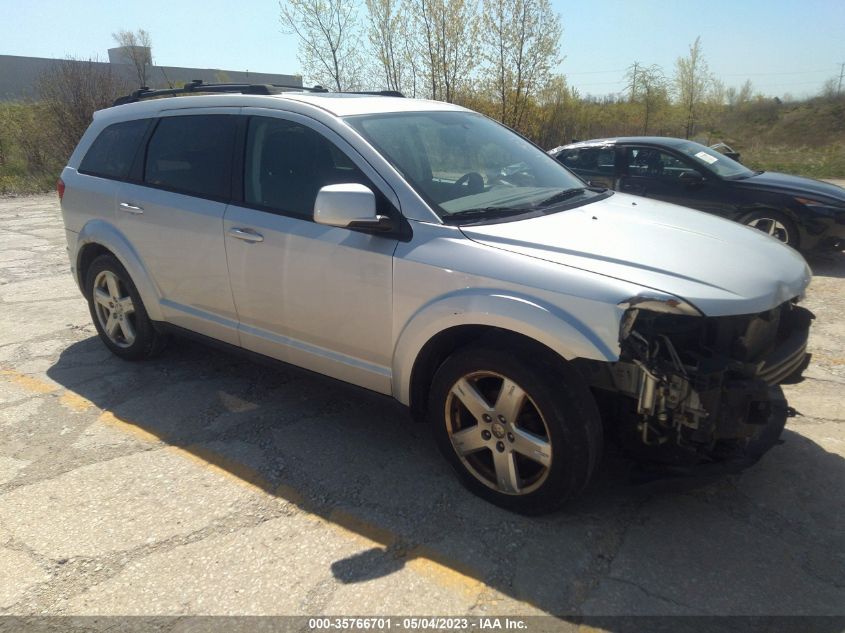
{"x":426,"y":252}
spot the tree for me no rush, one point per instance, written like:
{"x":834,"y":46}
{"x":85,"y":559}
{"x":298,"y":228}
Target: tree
{"x":386,"y":32}
{"x":521,"y":45}
{"x":692,"y":79}
{"x":647,"y":85}
{"x":70,"y":92}
{"x":138,"y":46}
{"x":329,"y":39}
{"x":446,"y":45}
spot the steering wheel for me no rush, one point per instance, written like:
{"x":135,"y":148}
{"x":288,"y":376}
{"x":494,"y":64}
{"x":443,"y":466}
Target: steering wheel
{"x":473,"y":181}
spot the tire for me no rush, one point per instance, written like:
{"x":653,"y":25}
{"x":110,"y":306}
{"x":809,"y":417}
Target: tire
{"x":558,"y":424}
{"x":775,"y":224}
{"x":118,"y":312}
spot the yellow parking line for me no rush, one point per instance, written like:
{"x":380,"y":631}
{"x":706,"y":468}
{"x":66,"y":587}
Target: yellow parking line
{"x":110,"y":419}
{"x":421,"y":560}
{"x":27,"y":382}
{"x":75,"y":402}
{"x":68,"y":399}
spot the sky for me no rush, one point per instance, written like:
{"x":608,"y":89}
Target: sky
{"x":782,"y":46}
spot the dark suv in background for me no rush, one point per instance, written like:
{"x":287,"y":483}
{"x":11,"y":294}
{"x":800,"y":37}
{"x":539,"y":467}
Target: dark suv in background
{"x":802,"y":212}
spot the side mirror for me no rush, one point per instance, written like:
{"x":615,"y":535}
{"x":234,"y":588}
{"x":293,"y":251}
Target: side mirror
{"x":349,"y":206}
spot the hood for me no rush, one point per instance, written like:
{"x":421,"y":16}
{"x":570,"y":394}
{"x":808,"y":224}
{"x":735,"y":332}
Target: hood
{"x":721,"y":267}
{"x":795,"y":185}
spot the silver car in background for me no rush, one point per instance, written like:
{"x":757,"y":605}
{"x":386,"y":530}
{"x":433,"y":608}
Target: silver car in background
{"x":425,"y":252}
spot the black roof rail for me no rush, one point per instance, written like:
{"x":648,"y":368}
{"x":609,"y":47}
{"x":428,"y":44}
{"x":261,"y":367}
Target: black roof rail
{"x":377,"y":93}
{"x":198,"y":86}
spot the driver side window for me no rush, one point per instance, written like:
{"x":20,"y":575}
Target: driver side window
{"x":653,"y":163}
{"x":286,"y":164}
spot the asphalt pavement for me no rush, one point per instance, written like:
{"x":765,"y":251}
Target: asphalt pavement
{"x":203,"y":483}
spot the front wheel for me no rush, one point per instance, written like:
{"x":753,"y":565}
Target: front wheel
{"x":775,"y":224}
{"x":520,"y":433}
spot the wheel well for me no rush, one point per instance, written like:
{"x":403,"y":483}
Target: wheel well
{"x":442,"y":345}
{"x":88,"y":254}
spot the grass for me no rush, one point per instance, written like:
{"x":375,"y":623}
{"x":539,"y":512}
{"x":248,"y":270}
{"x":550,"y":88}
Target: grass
{"x":815,"y":162}
{"x":27,"y":164}
{"x":806,"y":139}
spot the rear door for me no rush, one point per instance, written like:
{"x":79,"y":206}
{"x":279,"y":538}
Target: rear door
{"x":316,"y":296}
{"x":173,"y":217}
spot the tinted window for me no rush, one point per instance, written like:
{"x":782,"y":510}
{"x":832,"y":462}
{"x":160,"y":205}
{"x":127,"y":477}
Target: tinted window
{"x":596,"y":160}
{"x":192,"y":154}
{"x":647,"y":161}
{"x":113,"y":151}
{"x":287,"y":164}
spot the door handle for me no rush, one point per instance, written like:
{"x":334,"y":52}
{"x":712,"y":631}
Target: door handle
{"x":247,"y":235}
{"x":131,"y":208}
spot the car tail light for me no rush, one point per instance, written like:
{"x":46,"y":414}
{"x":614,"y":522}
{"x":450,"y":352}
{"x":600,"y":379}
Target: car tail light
{"x":60,"y":188}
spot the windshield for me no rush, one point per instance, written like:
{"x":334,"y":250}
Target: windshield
{"x":467,"y":167}
{"x":718,"y":163}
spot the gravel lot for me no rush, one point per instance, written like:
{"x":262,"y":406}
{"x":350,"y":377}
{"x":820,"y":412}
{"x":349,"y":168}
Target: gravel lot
{"x":200,"y":483}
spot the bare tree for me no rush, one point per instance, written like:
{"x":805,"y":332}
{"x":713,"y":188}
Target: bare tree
{"x":647,"y":85}
{"x":137,"y":46}
{"x":692,"y":80}
{"x":521,"y":46}
{"x":329,"y":39}
{"x":446,"y":44}
{"x":70,"y":92}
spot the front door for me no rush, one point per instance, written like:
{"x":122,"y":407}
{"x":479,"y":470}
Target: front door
{"x":316,"y":296}
{"x":663,"y":175}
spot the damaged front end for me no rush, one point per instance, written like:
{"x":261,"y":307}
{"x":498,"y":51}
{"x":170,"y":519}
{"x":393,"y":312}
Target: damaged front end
{"x":690,"y":388}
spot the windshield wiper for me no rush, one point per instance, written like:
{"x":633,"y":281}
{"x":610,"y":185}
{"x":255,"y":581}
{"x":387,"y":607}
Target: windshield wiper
{"x":483,"y":213}
{"x":560,"y":196}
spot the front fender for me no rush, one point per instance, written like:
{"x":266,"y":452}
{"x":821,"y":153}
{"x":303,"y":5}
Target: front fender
{"x":107,"y":235}
{"x":550,"y":325}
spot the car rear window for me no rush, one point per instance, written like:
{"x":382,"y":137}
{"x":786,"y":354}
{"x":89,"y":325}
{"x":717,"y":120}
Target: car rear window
{"x":112,"y":152}
{"x":192,"y":154}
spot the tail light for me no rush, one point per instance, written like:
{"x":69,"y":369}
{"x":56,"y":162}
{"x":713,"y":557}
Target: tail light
{"x":60,"y":188}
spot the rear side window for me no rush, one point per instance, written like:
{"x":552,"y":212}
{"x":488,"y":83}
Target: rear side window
{"x":192,"y":155}
{"x":595,"y":160}
{"x":113,"y":151}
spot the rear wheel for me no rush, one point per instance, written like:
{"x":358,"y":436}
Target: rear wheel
{"x":519,"y":433}
{"x":775,"y":224}
{"x":118,"y":312}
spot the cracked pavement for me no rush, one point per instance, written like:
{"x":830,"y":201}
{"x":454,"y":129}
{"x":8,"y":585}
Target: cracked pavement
{"x":202,"y":483}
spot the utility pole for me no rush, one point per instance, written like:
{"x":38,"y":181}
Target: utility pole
{"x":634,"y":77}
{"x":841,"y":75}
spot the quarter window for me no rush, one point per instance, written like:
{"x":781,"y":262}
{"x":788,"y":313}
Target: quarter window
{"x":113,"y":151}
{"x":192,"y":155}
{"x":287,"y":164}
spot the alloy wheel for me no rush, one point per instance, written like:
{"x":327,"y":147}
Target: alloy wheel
{"x":498,"y":432}
{"x":772,"y":227}
{"x":114,"y":308}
